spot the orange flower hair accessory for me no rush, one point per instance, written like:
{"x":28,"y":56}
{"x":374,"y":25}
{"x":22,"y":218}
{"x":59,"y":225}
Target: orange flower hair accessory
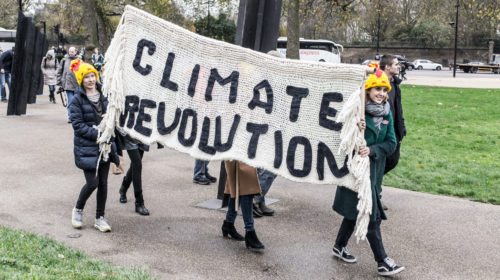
{"x":81,"y":69}
{"x":373,"y":65}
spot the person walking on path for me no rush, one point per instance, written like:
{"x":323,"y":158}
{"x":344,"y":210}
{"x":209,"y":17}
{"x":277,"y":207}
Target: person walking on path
{"x":66,"y":78}
{"x":6,"y":59}
{"x":266,"y":178}
{"x":200,"y":173}
{"x":49,"y":71}
{"x":390,"y":65}
{"x":380,"y":142}
{"x":87,"y":109}
{"x":135,"y":151}
{"x":97,"y":60}
{"x":248,"y":187}
{"x":260,"y":208}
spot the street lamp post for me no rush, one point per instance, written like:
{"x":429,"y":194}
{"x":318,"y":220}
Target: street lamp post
{"x":456,"y":41}
{"x":378,"y":26}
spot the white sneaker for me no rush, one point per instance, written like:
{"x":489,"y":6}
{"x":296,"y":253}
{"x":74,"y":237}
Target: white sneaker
{"x":102,"y":225}
{"x":76,"y":218}
{"x":388,"y":267}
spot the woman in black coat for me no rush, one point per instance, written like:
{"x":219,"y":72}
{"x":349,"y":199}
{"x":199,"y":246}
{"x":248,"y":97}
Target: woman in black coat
{"x":135,"y":151}
{"x":87,"y":108}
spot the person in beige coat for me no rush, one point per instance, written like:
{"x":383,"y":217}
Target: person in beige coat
{"x":49,"y":71}
{"x":248,"y":187}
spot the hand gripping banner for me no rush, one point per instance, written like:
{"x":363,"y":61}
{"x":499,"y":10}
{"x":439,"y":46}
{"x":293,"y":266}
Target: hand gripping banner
{"x":218,"y":101}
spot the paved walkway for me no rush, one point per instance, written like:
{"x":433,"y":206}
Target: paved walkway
{"x":435,"y":237}
{"x":445,"y":79}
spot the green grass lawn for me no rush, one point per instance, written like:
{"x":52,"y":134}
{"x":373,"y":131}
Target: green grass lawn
{"x":27,"y":256}
{"x":452,"y":143}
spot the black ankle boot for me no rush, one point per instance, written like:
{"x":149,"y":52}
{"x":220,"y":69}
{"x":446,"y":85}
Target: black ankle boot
{"x":123,"y":197}
{"x":141,"y":209}
{"x":229,"y":229}
{"x":123,"y":191}
{"x":51,"y":97}
{"x":252,"y":242}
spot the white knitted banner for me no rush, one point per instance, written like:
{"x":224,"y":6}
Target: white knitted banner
{"x":218,"y":101}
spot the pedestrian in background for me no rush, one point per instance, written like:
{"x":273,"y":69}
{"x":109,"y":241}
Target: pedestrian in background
{"x":66,"y":78}
{"x":49,"y":70}
{"x":6,"y":59}
{"x":266,"y":178}
{"x":380,"y":143}
{"x":260,"y":208}
{"x":87,"y":110}
{"x":135,"y":150}
{"x":97,"y":60}
{"x":200,"y":173}
{"x":248,"y":184}
{"x":60,"y":53}
{"x":390,"y":65}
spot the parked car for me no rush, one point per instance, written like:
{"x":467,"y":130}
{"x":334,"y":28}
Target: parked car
{"x":421,"y":64}
{"x":405,"y":63}
{"x":369,"y":61}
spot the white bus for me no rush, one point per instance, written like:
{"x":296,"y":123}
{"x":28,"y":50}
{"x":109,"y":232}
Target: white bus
{"x":315,"y":50}
{"x":7,"y":39}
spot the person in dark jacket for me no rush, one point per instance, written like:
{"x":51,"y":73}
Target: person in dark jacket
{"x":135,"y":150}
{"x":380,"y":142}
{"x":87,"y":108}
{"x":65,"y":77}
{"x":6,"y":59}
{"x":390,"y":65}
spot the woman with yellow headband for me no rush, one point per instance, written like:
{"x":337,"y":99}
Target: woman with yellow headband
{"x":87,"y":108}
{"x":380,"y":143}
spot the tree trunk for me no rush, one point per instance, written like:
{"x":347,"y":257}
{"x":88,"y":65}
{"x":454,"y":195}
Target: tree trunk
{"x":95,"y":25}
{"x":293,"y":30}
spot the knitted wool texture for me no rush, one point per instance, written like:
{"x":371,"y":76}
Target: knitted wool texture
{"x":81,"y":69}
{"x":379,"y":79}
{"x":156,"y":62}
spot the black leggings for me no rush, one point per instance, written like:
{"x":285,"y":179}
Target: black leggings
{"x":92,"y":182}
{"x":134,"y":175}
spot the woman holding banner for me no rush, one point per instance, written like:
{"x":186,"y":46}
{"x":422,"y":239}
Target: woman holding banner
{"x":87,"y":108}
{"x":242,"y":182}
{"x":380,"y":143}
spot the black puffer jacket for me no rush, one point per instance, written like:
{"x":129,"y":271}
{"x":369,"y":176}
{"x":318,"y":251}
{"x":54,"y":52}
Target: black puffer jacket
{"x":397,"y":109}
{"x":6,"y":61}
{"x":83,"y":118}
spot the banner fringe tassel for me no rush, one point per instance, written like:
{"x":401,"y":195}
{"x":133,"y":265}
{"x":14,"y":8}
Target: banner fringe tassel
{"x":359,"y":167}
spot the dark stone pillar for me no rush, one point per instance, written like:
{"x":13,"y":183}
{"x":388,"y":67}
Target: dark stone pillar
{"x":258,"y":26}
{"x":18,"y":67}
{"x":26,"y":80}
